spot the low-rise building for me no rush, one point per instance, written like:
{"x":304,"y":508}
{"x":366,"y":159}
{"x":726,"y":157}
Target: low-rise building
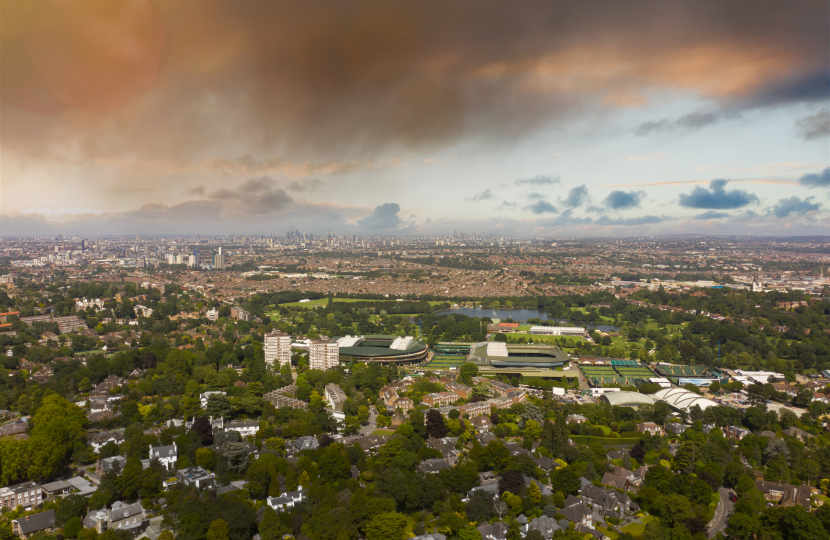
{"x":28,"y":495}
{"x":288,"y":499}
{"x":436,"y":399}
{"x":166,"y":455}
{"x":35,"y":523}
{"x":245,"y":428}
{"x":197,"y":477}
{"x":649,"y":427}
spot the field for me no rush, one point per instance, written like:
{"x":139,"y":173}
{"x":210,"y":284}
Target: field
{"x":636,"y":529}
{"x":446,"y":361}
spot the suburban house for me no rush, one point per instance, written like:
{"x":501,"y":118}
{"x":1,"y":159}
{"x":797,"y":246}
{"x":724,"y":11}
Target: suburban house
{"x":101,"y":438}
{"x":649,"y":427}
{"x":31,"y":525}
{"x":197,"y":477}
{"x":576,"y":419}
{"x":287,"y":499}
{"x":166,"y":455}
{"x":107,"y":464}
{"x":785,"y":494}
{"x":735,"y":433}
{"x":675,"y":428}
{"x":245,"y":428}
{"x":123,"y":516}
{"x":433,"y":466}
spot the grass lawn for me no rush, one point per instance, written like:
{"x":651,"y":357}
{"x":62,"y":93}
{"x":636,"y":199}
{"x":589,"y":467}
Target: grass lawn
{"x":712,"y":506}
{"x":383,"y":432}
{"x":610,"y":534}
{"x":637,"y":529}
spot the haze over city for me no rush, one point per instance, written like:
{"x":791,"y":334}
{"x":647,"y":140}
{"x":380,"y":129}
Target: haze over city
{"x":379,"y":118}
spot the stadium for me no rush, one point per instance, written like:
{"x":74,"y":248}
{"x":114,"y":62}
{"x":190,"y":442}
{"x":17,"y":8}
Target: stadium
{"x":504,"y":355}
{"x":385,"y":349}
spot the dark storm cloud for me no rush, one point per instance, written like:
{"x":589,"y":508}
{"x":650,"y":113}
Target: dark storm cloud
{"x":485,"y":195}
{"x":198,"y":191}
{"x":821,"y":179}
{"x":577,"y":196}
{"x":623,"y":200}
{"x":814,"y":126}
{"x":541,"y":207}
{"x":538,"y":180}
{"x":642,"y":220}
{"x":717,"y":198}
{"x":255,"y":196}
{"x":801,"y":89}
{"x":711,"y":214}
{"x":384,"y":217}
{"x":793,"y":205}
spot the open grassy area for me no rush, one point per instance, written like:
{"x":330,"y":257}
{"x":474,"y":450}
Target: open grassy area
{"x":610,"y":534}
{"x":637,"y":529}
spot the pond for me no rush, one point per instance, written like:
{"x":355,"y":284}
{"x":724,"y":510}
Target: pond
{"x":522,"y":315}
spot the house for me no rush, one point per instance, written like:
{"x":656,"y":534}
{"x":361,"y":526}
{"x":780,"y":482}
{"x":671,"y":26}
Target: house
{"x":104,"y":387}
{"x":55,"y":490}
{"x":649,"y":427}
{"x":547,"y":526}
{"x":604,"y":500}
{"x":799,"y":434}
{"x":496,"y":531}
{"x":576,"y":419}
{"x":288,"y":499}
{"x":433,"y":466}
{"x":482,"y":424}
{"x":491,"y":489}
{"x":735,"y":433}
{"x":785,"y":494}
{"x":579,"y":514}
{"x":305,"y":443}
{"x":30,"y":525}
{"x":218,"y":423}
{"x":245,"y":428}
{"x":619,"y":482}
{"x":487,"y":478}
{"x":197,"y":477}
{"x":485,"y":438}
{"x":100,"y":439}
{"x":16,"y":429}
{"x":121,"y":516}
{"x":371,"y":443}
{"x":107,"y":464}
{"x":675,"y":428}
{"x":28,"y":495}
{"x":543,"y":489}
{"x":167,"y":455}
{"x":546,"y":464}
{"x":616,"y":454}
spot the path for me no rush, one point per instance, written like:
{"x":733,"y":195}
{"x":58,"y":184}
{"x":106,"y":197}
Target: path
{"x":722,"y":513}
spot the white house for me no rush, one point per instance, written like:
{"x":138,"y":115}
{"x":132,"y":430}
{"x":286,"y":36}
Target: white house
{"x":287,"y":499}
{"x":245,"y":428}
{"x":167,"y":455}
{"x":205,"y":395}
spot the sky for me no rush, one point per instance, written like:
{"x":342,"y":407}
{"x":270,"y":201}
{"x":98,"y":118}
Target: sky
{"x":543,"y":118}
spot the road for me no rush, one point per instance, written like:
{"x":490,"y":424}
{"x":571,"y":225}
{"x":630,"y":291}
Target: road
{"x":722,"y":513}
{"x":370,"y":427}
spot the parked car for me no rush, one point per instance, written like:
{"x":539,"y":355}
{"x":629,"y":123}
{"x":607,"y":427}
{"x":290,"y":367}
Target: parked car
{"x":733,"y":497}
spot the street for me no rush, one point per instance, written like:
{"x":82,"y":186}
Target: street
{"x":722,"y":513}
{"x":370,"y":427}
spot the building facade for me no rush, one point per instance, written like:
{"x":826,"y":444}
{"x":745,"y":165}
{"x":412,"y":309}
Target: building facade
{"x":278,"y":349}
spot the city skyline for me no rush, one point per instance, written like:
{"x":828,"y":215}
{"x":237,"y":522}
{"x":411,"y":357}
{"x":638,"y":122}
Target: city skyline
{"x":374,"y":119}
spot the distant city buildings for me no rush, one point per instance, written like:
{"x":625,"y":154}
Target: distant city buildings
{"x":277,"y":349}
{"x":323,"y":354}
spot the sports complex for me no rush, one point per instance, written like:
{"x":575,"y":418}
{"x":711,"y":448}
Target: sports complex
{"x":504,"y":355}
{"x":621,"y":372}
{"x":382,"y":349}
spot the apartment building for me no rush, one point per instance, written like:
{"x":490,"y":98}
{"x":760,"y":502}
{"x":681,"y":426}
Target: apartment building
{"x":278,"y":349}
{"x":437,"y":399}
{"x":323,"y":354}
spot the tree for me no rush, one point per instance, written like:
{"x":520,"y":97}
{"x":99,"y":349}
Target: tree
{"x":203,"y":429}
{"x":218,"y":406}
{"x":480,"y":506}
{"x":334,"y":463}
{"x":205,"y":457}
{"x":511,"y":481}
{"x":73,"y":527}
{"x":57,"y":427}
{"x":742,"y":526}
{"x":532,"y":430}
{"x":387,"y":526}
{"x":435,"y":425}
{"x":534,"y":493}
{"x":467,"y":371}
{"x":674,"y":510}
{"x":218,"y":530}
{"x":269,"y":527}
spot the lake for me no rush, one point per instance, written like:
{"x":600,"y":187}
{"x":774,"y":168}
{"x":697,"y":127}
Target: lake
{"x":522,"y":315}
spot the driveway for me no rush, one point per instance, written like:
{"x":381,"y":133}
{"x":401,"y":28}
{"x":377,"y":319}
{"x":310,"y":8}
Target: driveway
{"x":722,"y":513}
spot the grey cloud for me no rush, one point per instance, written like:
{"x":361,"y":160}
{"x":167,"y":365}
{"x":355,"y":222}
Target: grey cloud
{"x":694,"y":120}
{"x":541,"y":207}
{"x":483,"y":196}
{"x":198,"y":191}
{"x":577,"y":196}
{"x":821,"y":179}
{"x":538,"y":180}
{"x":717,"y":198}
{"x":711,"y":214}
{"x":622,"y":200}
{"x":255,"y":196}
{"x":506,"y":205}
{"x":793,"y":205}
{"x":814,"y":126}
{"x":565,"y":218}
{"x":312,"y":184}
{"x":256,"y":185}
{"x":642,"y":220}
{"x":535,"y":196}
{"x":384,"y":217}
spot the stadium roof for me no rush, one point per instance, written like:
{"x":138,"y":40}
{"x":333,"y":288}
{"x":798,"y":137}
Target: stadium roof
{"x":627,"y":399}
{"x":682,"y":399}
